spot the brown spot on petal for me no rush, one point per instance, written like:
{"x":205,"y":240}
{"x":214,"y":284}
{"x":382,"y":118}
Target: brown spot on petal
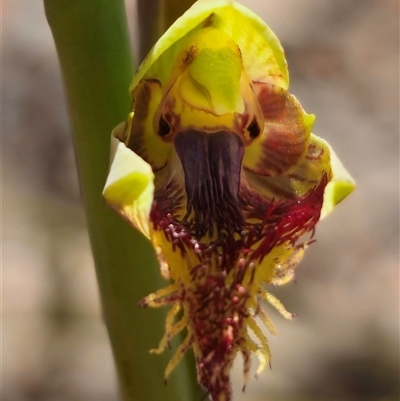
{"x":190,"y":54}
{"x":314,"y":152}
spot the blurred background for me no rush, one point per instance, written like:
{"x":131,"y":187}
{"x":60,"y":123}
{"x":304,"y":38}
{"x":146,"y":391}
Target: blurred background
{"x":344,"y":62}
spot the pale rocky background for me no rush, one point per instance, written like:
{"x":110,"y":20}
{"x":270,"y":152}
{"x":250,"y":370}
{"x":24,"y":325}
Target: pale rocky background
{"x":344,"y":346}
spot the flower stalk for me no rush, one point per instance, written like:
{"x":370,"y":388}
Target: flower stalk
{"x":93,"y":48}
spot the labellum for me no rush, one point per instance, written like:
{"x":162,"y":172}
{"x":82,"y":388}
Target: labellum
{"x":218,"y":167}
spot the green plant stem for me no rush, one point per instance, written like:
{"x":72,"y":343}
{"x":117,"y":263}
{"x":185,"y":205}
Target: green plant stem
{"x":93,"y":47}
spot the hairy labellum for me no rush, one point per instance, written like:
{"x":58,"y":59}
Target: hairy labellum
{"x":218,"y":167}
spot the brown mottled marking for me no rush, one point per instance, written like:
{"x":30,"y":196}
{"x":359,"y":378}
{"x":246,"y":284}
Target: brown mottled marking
{"x":284,"y":138}
{"x":282,"y":148}
{"x":272,"y":102}
{"x":190,"y":54}
{"x":209,"y":20}
{"x":143,"y":93}
{"x":314,"y":152}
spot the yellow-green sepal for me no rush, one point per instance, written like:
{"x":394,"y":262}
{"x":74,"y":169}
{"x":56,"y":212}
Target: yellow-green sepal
{"x":263,"y":57}
{"x":130,"y":184}
{"x":339,"y":187}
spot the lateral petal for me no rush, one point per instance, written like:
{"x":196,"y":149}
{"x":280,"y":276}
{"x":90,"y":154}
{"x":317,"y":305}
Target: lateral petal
{"x":129,"y":187}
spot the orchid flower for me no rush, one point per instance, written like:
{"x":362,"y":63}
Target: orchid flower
{"x":217,"y":166}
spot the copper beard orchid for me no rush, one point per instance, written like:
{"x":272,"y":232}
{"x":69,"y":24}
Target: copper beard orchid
{"x":218,"y":167}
